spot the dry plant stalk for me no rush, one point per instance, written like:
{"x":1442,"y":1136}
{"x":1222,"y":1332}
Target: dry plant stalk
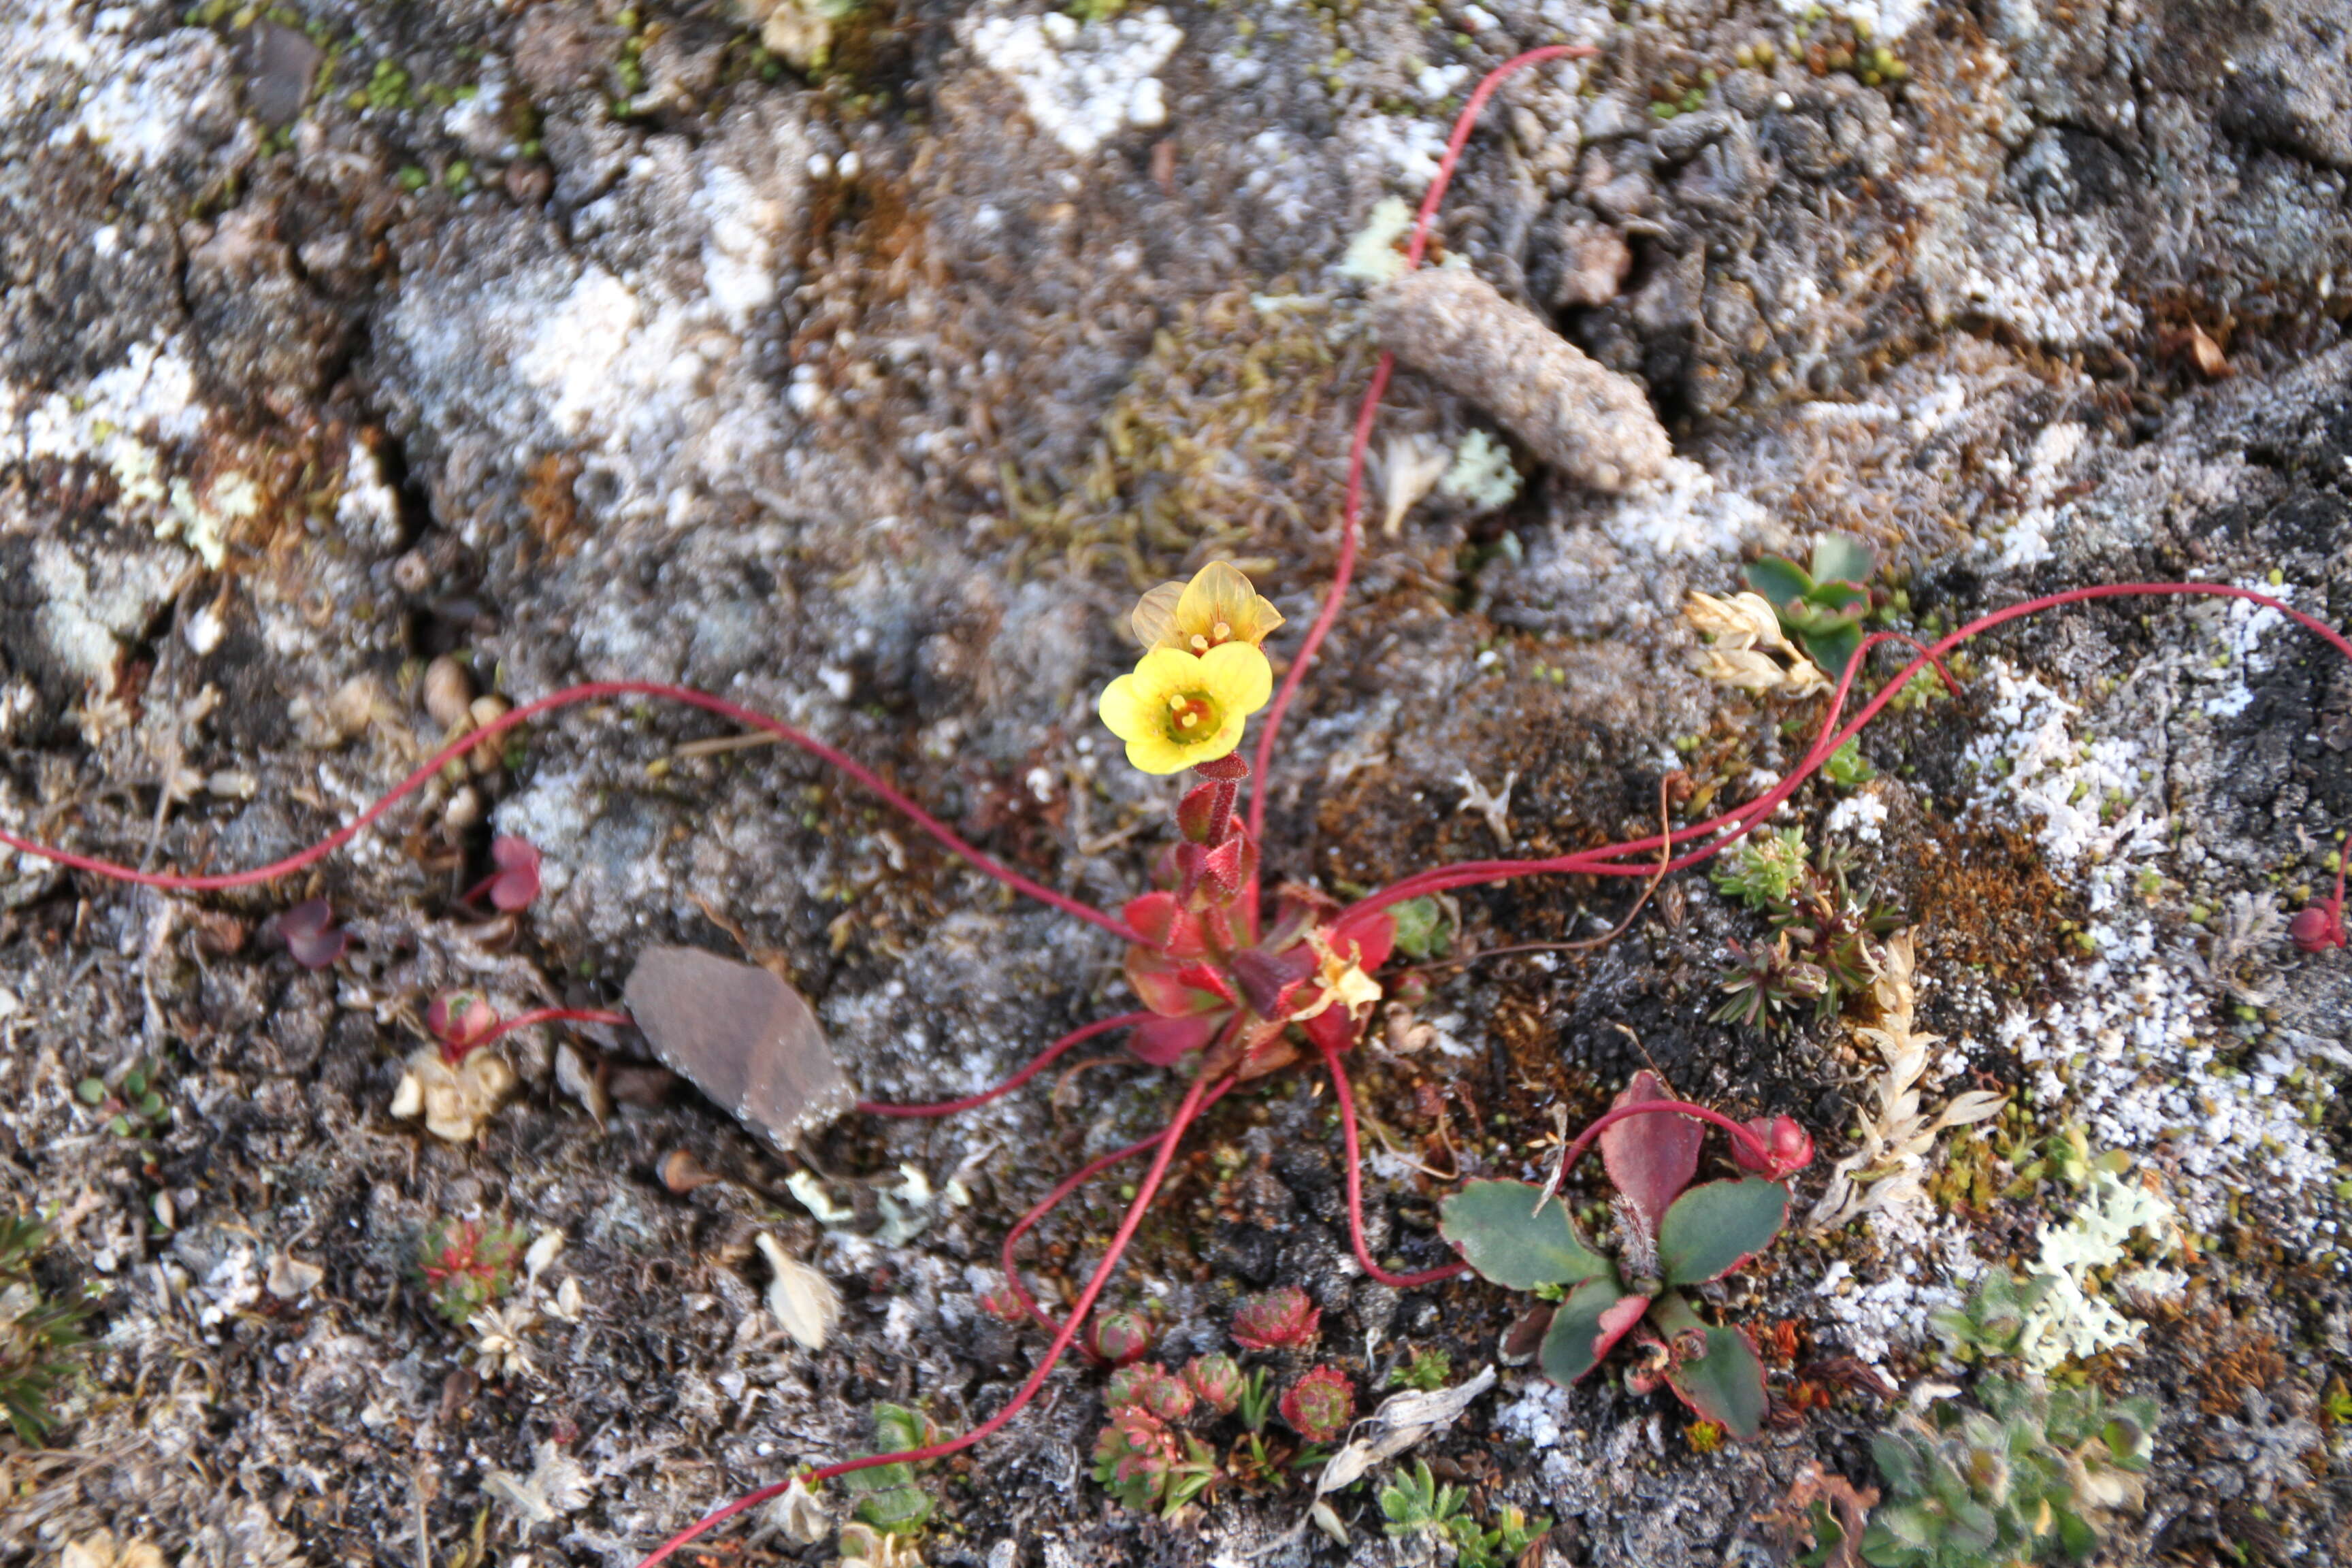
{"x":1888,"y":1170}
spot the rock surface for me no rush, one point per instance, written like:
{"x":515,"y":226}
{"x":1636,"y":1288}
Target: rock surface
{"x":600,"y":342}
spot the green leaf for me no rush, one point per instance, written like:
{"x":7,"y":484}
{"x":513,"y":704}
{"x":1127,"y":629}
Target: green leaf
{"x":1884,"y":1545}
{"x":92,"y":1092}
{"x":2076,"y":1534}
{"x":1833,"y":650}
{"x":135,"y":1084}
{"x":152,"y":1106}
{"x":898,"y":1510}
{"x":1724,"y":1383}
{"x":1839,"y":558}
{"x":1420,"y":928}
{"x":1783,"y":583}
{"x":1899,"y":1461}
{"x":1508,"y":1241}
{"x":119,"y":1125}
{"x":1587,"y":1324}
{"x":1713,"y":1229}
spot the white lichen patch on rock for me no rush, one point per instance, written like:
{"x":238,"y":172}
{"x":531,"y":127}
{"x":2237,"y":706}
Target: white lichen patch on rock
{"x":639,"y":363}
{"x":1082,"y":85}
{"x":1883,"y":19}
{"x":2242,"y":629}
{"x":137,"y":104}
{"x":1683,"y":511}
{"x":2088,"y":796}
{"x":2074,"y":1320}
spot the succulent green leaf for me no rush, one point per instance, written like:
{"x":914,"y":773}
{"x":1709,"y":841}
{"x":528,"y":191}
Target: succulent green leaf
{"x":92,"y":1092}
{"x":1839,"y":558}
{"x":1833,"y":650}
{"x":1838,"y":601}
{"x":1508,"y":1239}
{"x":1724,"y":1383}
{"x":1713,"y":1228}
{"x":1783,"y":583}
{"x":1594,"y":1318}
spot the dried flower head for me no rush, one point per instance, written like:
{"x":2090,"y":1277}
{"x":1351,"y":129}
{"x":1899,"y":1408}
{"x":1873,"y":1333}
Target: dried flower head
{"x":1217,"y":606}
{"x":1176,"y":711}
{"x":500,"y":1335}
{"x":1744,"y":633}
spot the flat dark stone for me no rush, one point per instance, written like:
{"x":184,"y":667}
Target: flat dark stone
{"x":742,"y":1037}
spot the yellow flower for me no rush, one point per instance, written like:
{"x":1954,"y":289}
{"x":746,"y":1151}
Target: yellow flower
{"x":1175,"y":710}
{"x":1216,"y":607}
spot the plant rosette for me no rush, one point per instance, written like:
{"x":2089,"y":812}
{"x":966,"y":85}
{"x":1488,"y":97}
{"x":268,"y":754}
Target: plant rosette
{"x":1672,"y":1237}
{"x":1820,"y":610}
{"x":1216,"y":988}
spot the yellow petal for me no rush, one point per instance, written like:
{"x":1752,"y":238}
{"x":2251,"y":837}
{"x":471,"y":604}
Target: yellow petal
{"x":1219,"y":596}
{"x":1158,"y":754}
{"x":1238,"y":677}
{"x":1154,"y":620}
{"x":1128,"y":708}
{"x":1805,"y":676}
{"x":1718,"y":619}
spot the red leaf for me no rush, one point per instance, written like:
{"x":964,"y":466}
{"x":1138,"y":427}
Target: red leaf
{"x":1651,"y":1158}
{"x":312,"y":937}
{"x":1164,"y":1042}
{"x":517,"y":883}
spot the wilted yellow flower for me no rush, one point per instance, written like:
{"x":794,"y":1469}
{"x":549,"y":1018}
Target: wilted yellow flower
{"x":1216,"y":607}
{"x":1176,"y":711}
{"x":1343,"y":981}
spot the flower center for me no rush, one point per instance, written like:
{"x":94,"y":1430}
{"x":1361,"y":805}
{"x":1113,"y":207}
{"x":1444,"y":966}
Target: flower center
{"x":1191,"y":716}
{"x":1222,"y":632}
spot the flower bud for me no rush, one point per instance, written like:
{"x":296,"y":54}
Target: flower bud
{"x":1217,"y":1379}
{"x":1282,"y":1319}
{"x":1120,"y":1338}
{"x":1131,"y":1387}
{"x":2318,"y":927}
{"x":1321,"y":1405}
{"x":1787,"y":1148}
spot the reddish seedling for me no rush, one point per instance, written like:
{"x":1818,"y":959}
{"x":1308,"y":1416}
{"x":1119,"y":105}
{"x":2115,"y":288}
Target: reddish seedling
{"x":1236,"y":985}
{"x":515,"y":883}
{"x":312,"y":937}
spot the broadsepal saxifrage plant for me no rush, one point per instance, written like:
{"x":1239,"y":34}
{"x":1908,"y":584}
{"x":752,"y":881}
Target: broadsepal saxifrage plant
{"x":1672,"y":1236}
{"x":1238,"y":982}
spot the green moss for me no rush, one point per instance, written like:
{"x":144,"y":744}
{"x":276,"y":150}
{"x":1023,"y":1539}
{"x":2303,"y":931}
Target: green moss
{"x":1227,"y":429}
